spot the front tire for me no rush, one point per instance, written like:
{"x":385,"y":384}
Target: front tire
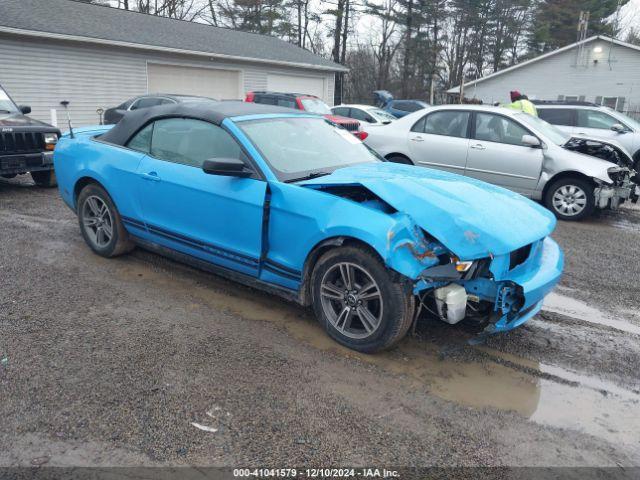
{"x":100,"y":223}
{"x":44,"y":178}
{"x":360,"y":303}
{"x":570,"y":198}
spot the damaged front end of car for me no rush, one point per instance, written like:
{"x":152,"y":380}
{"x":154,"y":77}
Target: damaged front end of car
{"x":623,"y":186}
{"x":499,"y":292}
{"x":465,"y":248}
{"x":621,"y":183}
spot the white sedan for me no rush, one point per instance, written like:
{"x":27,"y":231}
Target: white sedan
{"x":514,"y":150}
{"x":367,"y":114}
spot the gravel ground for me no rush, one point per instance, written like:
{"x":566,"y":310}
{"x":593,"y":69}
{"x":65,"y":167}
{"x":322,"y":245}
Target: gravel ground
{"x":112,"y":362}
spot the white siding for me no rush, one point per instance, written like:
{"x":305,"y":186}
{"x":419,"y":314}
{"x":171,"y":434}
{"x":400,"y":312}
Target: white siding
{"x":205,"y":82}
{"x":616,"y":74}
{"x":297,"y":83}
{"x":41,"y":73}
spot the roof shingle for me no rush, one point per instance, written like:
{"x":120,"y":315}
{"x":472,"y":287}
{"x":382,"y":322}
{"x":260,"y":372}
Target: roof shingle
{"x":68,"y":17}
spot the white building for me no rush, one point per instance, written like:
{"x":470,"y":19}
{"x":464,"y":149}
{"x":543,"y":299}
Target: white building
{"x":98,"y":57}
{"x":599,"y":69}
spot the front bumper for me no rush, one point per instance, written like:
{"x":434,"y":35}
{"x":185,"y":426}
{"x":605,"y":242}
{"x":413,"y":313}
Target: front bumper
{"x":625,"y":187}
{"x":28,"y":162}
{"x":613,"y":197}
{"x":517,"y":293}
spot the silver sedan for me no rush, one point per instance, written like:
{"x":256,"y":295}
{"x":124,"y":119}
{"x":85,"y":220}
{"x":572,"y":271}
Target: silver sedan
{"x":571,"y":176}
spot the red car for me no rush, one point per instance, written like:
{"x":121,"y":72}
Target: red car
{"x":308,"y":103}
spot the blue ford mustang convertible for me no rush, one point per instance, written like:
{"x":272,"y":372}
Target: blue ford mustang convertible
{"x":290,"y":203}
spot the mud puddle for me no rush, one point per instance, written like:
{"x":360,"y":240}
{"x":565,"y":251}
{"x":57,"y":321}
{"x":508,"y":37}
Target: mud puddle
{"x":570,"y":307}
{"x":626,"y":224}
{"x":545,"y":394}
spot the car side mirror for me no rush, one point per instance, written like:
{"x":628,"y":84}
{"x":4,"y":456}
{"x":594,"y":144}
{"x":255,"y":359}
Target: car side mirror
{"x":370,"y":120}
{"x":618,"y":128}
{"x":25,"y":109}
{"x":531,"y":141}
{"x":226,"y":167}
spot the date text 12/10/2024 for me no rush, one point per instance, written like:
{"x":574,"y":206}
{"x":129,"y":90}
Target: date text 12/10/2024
{"x":315,"y":473}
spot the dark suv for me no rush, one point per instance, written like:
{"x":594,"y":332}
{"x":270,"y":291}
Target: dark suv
{"x":26,"y":145}
{"x":308,"y":103}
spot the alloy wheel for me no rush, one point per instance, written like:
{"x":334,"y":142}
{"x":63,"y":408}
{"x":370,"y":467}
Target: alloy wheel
{"x":569,"y":200}
{"x":97,"y":221}
{"x":351,"y":300}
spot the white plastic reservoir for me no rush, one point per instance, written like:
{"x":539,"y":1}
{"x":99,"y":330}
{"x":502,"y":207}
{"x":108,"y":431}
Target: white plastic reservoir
{"x":451,"y":302}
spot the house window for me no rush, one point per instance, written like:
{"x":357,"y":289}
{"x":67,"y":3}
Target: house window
{"x":617,"y":103}
{"x":571,"y":98}
{"x":611,"y":102}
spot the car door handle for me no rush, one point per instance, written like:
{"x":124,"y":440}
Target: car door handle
{"x":417,"y":139}
{"x":153,"y":176}
{"x":478,"y":146}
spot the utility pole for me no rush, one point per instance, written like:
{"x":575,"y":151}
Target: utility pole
{"x":432,"y":90}
{"x":583,"y":29}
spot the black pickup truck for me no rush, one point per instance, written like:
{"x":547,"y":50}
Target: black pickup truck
{"x":26,"y":145}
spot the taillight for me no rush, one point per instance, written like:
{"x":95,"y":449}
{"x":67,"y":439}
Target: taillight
{"x":250,"y":97}
{"x":362,"y":135}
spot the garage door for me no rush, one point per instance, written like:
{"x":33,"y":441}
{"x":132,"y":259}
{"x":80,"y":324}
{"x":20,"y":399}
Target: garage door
{"x":206,"y":82}
{"x":296,"y":84}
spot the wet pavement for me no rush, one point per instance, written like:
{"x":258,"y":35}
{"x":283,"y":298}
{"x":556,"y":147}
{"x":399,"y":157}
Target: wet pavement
{"x":142,"y":361}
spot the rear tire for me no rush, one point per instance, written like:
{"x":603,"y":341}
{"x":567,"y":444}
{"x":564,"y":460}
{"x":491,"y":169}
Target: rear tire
{"x":45,"y":178}
{"x":570,"y":198}
{"x":359,"y":302}
{"x":100,"y":223}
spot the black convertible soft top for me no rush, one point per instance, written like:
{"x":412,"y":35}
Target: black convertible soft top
{"x":214,"y":112}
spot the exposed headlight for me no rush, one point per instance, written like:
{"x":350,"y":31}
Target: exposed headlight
{"x":50,"y":140}
{"x":616,"y":174}
{"x":460,"y":265}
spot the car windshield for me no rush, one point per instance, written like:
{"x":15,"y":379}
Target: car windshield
{"x":625,"y":119}
{"x":6,"y":104}
{"x":552,"y":133}
{"x":296,"y":148}
{"x":315,"y":105}
{"x":381,"y":115}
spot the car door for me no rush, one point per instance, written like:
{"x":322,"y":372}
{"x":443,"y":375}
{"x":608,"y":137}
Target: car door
{"x":341,"y":111}
{"x":362,"y":116}
{"x":440,"y":140}
{"x":211,"y":217}
{"x":498,"y":155}
{"x":597,"y":123}
{"x":563,"y":118}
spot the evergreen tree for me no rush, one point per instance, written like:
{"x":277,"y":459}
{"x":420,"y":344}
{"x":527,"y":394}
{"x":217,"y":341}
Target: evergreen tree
{"x":555,"y":22}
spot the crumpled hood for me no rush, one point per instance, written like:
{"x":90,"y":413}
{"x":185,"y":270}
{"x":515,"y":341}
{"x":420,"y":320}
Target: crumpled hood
{"x":626,"y":159}
{"x":471,"y":218}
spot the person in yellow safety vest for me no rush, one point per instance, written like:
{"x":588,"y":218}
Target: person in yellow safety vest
{"x":522,"y":103}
